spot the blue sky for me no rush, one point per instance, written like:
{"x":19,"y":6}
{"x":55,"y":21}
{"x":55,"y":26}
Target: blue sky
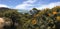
{"x":29,"y":4}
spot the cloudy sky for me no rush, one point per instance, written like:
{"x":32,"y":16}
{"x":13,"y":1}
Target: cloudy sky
{"x":29,"y":4}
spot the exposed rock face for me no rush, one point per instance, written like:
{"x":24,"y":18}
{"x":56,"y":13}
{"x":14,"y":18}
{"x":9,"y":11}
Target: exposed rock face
{"x":5,"y":22}
{"x":1,"y":23}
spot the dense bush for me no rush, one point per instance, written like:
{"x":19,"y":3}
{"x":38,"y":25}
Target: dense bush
{"x":37,"y":19}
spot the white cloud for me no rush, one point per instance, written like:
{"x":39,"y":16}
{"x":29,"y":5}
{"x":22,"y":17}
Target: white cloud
{"x":29,"y":4}
{"x":29,"y":1}
{"x":51,"y":5}
{"x":25,"y":4}
{"x":2,"y":5}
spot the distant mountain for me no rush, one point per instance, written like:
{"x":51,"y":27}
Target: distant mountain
{"x":2,"y":8}
{"x":19,"y":10}
{"x":23,"y":11}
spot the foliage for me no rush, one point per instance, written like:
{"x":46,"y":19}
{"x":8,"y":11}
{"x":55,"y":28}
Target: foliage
{"x":37,"y":19}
